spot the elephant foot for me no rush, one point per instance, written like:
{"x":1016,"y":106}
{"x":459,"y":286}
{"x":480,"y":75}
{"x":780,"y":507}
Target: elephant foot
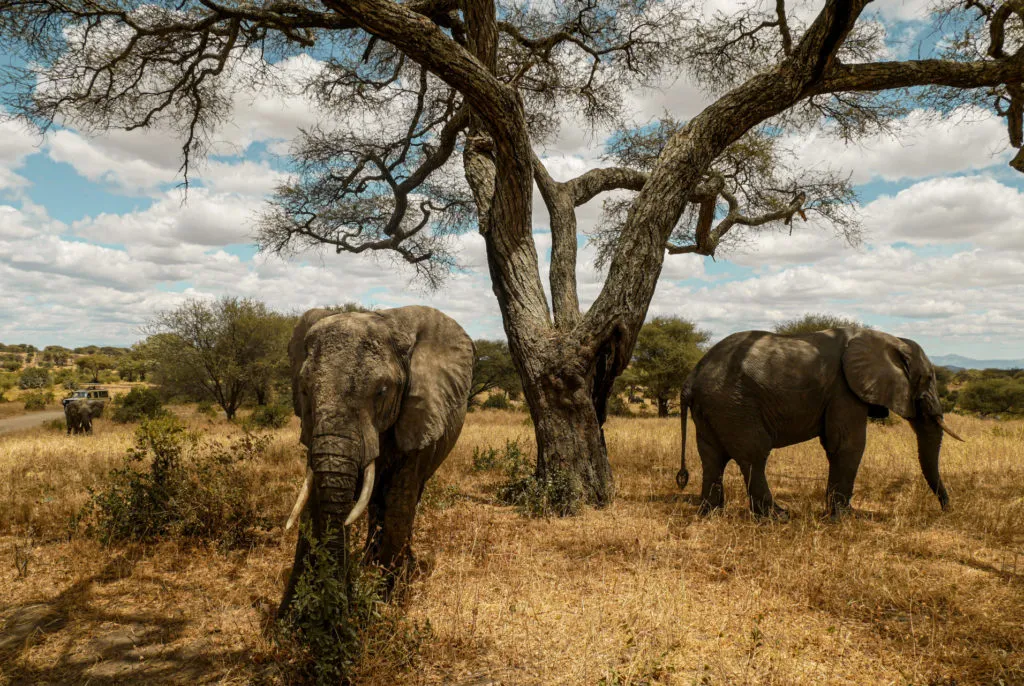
{"x":682,"y":478}
{"x":772,"y":514}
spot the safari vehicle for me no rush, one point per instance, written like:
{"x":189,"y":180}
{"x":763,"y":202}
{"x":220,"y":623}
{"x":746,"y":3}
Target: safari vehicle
{"x":87,"y":392}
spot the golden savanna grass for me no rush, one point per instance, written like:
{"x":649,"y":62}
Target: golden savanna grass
{"x":640,"y":592}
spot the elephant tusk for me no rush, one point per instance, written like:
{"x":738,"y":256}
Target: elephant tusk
{"x":948,"y":430}
{"x":300,"y":504}
{"x":364,"y":495}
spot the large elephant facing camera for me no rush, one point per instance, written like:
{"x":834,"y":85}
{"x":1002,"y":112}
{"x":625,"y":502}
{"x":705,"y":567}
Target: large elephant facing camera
{"x":755,"y":391}
{"x":78,"y":414}
{"x":382,"y":398}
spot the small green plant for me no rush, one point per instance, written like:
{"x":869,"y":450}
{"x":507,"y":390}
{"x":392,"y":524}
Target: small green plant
{"x":38,"y":400}
{"x":138,"y":404}
{"x":617,"y":407}
{"x":269,"y":417}
{"x":172,"y":484}
{"x":335,"y":604}
{"x":496,"y":401}
{"x":486,"y":459}
{"x":555,"y":494}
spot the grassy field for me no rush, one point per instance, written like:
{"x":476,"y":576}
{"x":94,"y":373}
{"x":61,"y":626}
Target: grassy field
{"x":639,"y":593}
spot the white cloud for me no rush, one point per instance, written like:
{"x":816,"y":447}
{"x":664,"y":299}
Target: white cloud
{"x":923,"y":145}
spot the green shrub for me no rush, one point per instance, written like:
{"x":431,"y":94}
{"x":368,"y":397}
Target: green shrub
{"x":34,"y":377}
{"x":339,"y":613}
{"x":993,"y":396}
{"x":496,"y":401}
{"x":37,"y":400}
{"x":617,"y":407}
{"x":554,"y":495}
{"x":172,"y":484}
{"x":137,"y":404}
{"x":438,"y":496}
{"x":486,"y":459}
{"x":269,"y":417}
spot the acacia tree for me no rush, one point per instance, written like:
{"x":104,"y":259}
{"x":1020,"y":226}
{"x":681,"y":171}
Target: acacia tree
{"x":666,"y":350}
{"x":493,"y":368}
{"x":813,"y":321}
{"x":466,"y":81}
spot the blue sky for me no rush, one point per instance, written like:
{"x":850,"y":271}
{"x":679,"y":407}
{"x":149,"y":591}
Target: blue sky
{"x":95,"y":236}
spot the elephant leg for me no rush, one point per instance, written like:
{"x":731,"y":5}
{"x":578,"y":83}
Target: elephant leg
{"x":713,"y":461}
{"x":762,"y":503}
{"x":844,"y":440}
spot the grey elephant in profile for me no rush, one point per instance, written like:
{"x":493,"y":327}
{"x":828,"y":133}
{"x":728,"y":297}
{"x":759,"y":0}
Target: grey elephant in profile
{"x":755,"y":391}
{"x":382,"y":398}
{"x":78,"y":414}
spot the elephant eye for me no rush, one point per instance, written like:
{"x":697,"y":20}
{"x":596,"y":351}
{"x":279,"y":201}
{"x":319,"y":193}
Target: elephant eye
{"x":383,"y":389}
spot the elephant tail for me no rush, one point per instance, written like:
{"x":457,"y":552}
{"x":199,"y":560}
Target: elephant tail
{"x":683,"y":475}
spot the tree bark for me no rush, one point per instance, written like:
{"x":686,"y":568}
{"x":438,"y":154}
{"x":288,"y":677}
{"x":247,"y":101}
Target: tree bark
{"x":662,"y":407}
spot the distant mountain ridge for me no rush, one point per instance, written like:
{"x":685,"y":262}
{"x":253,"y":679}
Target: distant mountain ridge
{"x":970,"y":363}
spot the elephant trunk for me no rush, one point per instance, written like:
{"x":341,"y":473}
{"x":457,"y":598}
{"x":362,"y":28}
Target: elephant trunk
{"x":929,"y":442}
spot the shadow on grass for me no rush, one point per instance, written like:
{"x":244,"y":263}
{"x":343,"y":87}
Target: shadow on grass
{"x":135,"y":650}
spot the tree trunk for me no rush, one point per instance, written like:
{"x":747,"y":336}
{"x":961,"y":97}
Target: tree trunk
{"x":662,"y":407}
{"x":570,"y":438}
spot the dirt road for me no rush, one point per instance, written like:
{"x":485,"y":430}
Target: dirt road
{"x":28,"y":421}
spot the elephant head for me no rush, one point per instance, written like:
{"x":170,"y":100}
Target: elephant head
{"x":362,"y":379}
{"x":80,"y":413}
{"x":894,"y":374}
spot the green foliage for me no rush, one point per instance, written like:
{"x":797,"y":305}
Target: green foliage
{"x":493,"y":369}
{"x":438,"y":495}
{"x":223,"y":351}
{"x":17,"y":348}
{"x":335,"y":603}
{"x":556,"y":494}
{"x":486,"y":459}
{"x":34,"y":377}
{"x":986,"y":396}
{"x":137,"y":404}
{"x":812,"y":321}
{"x":496,"y":401}
{"x":37,"y":400}
{"x":11,"y":362}
{"x":92,"y":365}
{"x":172,"y":484}
{"x":54,"y":425}
{"x":667,"y":348}
{"x":206,"y":409}
{"x":617,"y":407}
{"x":269,"y":417}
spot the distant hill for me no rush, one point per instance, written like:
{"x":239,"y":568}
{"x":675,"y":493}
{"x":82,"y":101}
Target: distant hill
{"x":960,"y":362}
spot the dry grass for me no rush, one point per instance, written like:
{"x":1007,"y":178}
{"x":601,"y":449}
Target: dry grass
{"x":642,"y":592}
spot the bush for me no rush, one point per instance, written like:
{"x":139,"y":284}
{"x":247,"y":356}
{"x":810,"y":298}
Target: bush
{"x":138,"y":404}
{"x":269,"y":417}
{"x":38,"y":400}
{"x":617,"y":407}
{"x":496,"y":401}
{"x":207,"y":409}
{"x":34,"y":377}
{"x":172,"y":484}
{"x":55,"y":425}
{"x":486,"y":459}
{"x":554,"y":495}
{"x":993,"y":396}
{"x":337,"y":615}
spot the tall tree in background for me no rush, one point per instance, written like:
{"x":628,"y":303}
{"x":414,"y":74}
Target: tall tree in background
{"x":216,"y":350}
{"x":493,"y":368}
{"x":811,"y":322}
{"x":666,"y":351}
{"x":94,"y":363}
{"x":420,"y":88}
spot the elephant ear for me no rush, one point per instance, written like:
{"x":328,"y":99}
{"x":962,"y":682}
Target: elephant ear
{"x":440,"y":363}
{"x":876,"y":366}
{"x":297,"y":355}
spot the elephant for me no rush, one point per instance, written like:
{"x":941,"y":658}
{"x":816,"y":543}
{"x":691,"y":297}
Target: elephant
{"x":79,"y":415}
{"x":382,"y":397}
{"x":755,"y":391}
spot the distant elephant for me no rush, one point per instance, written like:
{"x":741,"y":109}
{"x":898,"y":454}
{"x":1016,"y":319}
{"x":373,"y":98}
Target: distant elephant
{"x":755,"y":391}
{"x":382,"y":397}
{"x":79,"y":415}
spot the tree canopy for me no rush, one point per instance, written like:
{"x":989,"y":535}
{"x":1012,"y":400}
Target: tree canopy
{"x":815,"y":321}
{"x":493,"y":369}
{"x":666,"y":351}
